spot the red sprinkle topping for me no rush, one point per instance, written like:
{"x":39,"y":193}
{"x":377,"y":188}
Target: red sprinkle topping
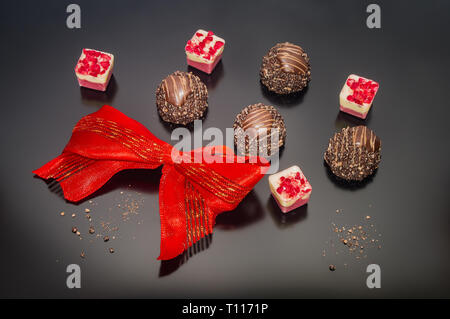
{"x":199,"y":48}
{"x":94,"y":63}
{"x":293,"y":185}
{"x":363,"y":90}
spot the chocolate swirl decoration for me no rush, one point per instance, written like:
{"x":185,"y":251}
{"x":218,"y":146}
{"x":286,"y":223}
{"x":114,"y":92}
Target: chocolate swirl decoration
{"x":258,"y":118}
{"x":364,"y":137}
{"x":291,"y":58}
{"x":177,"y":86}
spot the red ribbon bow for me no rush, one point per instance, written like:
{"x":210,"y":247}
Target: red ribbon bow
{"x":191,"y":194}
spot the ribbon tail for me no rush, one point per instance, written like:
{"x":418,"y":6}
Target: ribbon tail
{"x":81,"y":176}
{"x":184,"y":213}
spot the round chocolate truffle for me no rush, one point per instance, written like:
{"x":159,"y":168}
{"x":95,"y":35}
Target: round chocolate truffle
{"x":285,"y":69}
{"x":259,"y":130}
{"x":353,"y":153}
{"x":181,"y":98}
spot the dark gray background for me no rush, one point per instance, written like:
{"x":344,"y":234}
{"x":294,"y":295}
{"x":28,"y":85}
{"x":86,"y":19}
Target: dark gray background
{"x":255,"y":251}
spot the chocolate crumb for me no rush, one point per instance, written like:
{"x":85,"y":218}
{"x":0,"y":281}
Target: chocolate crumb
{"x":106,"y":238}
{"x":332,"y":267}
{"x":91,"y":230}
{"x":111,"y":250}
{"x":358,"y":239}
{"x":74,"y":230}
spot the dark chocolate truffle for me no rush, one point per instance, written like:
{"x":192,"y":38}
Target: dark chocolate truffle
{"x":353,"y":153}
{"x":255,"y":128}
{"x":285,"y":69}
{"x":181,"y":98}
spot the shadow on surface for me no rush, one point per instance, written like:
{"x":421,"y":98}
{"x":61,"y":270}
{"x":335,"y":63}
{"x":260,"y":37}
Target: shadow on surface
{"x":249,"y":211}
{"x":91,"y":97}
{"x":284,"y":220}
{"x":344,"y":120}
{"x":288,"y":100}
{"x":168,"y":267}
{"x":210,"y":80}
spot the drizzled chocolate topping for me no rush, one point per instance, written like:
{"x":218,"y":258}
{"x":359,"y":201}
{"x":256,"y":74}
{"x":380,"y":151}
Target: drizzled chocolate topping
{"x":258,"y":118}
{"x":177,"y":87}
{"x":354,"y":153}
{"x":364,"y":137}
{"x":291,"y":58}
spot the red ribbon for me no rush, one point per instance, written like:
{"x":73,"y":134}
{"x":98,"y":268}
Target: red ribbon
{"x":191,"y":194}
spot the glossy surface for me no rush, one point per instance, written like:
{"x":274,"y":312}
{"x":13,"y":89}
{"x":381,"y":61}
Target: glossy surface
{"x":256,"y":251}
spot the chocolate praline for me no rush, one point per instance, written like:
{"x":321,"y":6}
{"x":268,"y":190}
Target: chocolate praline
{"x":285,"y":69}
{"x":255,"y":130}
{"x":181,"y":98}
{"x":353,"y":153}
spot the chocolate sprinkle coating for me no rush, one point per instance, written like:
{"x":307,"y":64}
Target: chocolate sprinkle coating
{"x":181,"y":98}
{"x":285,"y":69}
{"x":255,"y":126}
{"x":353,"y":153}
